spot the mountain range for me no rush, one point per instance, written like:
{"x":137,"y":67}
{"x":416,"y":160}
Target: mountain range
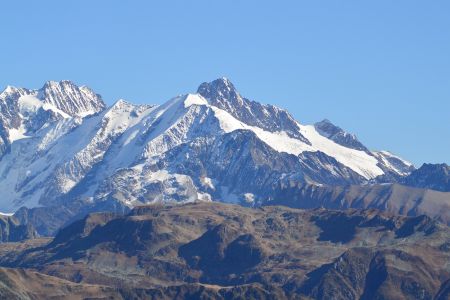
{"x":221,"y":251}
{"x":62,"y":148}
{"x":209,"y":195}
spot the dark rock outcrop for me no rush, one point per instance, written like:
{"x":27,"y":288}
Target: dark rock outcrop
{"x":430,"y":176}
{"x":12,"y":231}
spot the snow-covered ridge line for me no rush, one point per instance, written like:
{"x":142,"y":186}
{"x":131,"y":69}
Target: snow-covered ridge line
{"x":65,"y":96}
{"x":194,"y":146}
{"x":390,"y":154}
{"x":358,"y":161}
{"x":394,"y":162}
{"x":25,"y":111}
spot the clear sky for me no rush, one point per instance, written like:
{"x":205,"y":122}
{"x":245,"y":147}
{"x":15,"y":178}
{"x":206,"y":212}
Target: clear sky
{"x":379,"y":69}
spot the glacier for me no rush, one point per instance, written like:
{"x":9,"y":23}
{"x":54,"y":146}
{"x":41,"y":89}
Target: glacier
{"x":61,"y":143}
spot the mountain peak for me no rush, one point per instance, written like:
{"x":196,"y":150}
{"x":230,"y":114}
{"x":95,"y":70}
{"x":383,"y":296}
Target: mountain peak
{"x":327,"y":129}
{"x":220,"y":91}
{"x":222,"y":81}
{"x":325,"y":121}
{"x":70,"y":98}
{"x":52,"y":83}
{"x":121,"y":102}
{"x":9,"y":89}
{"x":427,"y":168}
{"x":223,"y":94}
{"x":12,"y":90}
{"x":434,"y":176}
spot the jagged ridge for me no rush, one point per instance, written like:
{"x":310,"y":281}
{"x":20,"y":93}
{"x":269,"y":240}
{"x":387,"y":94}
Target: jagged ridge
{"x":213,"y":145}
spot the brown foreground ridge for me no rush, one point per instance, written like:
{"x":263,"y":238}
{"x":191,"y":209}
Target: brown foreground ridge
{"x":222,"y":251}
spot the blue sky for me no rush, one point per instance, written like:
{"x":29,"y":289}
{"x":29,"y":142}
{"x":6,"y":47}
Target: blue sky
{"x":379,"y":69}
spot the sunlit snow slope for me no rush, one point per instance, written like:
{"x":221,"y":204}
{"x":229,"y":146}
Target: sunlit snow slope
{"x":60,"y":144}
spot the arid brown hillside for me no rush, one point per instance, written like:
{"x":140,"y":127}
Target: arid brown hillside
{"x":224,"y":251}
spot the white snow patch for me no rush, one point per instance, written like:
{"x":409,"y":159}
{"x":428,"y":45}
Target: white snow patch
{"x":390,"y":154}
{"x":86,"y":113}
{"x":16,"y":134}
{"x":359,"y":161}
{"x":207,"y":182}
{"x":279,"y":141}
{"x":204,"y":197}
{"x":192,"y":99}
{"x":31,"y":104}
{"x":131,"y":137}
{"x":384,"y":156}
{"x":6,"y":214}
{"x":249,"y":197}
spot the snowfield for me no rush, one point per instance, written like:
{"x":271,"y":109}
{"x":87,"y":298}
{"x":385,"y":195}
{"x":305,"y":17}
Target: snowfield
{"x":64,"y":142}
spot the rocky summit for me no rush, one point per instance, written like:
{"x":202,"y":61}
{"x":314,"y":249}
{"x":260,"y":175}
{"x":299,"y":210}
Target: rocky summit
{"x":62,"y":148}
{"x":209,"y":195}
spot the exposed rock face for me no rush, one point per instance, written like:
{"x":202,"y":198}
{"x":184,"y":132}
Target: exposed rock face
{"x":215,"y":145}
{"x":12,"y":231}
{"x":47,"y":221}
{"x":272,"y":252}
{"x":395,"y":168}
{"x":65,"y":155}
{"x":394,"y":198}
{"x":71,"y":99}
{"x":312,"y":169}
{"x":430,"y":176}
{"x":291,"y":192}
{"x":222,"y":94}
{"x":337,"y":134}
{"x":361,"y":273}
{"x":24,"y":112}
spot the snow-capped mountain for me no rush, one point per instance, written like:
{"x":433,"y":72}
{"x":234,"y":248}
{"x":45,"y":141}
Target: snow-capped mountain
{"x":61,"y":144}
{"x":339,"y":136}
{"x":24,"y":112}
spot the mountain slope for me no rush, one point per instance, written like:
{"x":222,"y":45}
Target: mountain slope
{"x":67,"y":147}
{"x":11,"y":230}
{"x":221,"y":245}
{"x":17,"y":284}
{"x":338,"y":135}
{"x":23,"y":112}
{"x":393,"y":198}
{"x":431,"y":176}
